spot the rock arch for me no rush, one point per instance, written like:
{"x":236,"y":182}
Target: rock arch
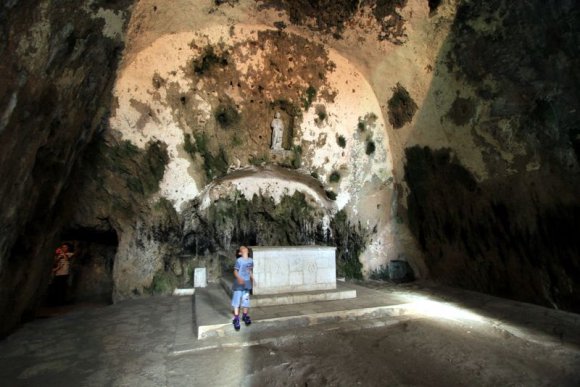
{"x":171,"y":89}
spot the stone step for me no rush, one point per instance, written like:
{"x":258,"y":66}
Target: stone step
{"x":281,"y":324}
{"x":249,"y":336}
{"x":213,"y":317}
{"x":340,"y":293}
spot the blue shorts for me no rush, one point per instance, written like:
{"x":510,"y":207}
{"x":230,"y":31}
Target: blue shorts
{"x":241,"y":298}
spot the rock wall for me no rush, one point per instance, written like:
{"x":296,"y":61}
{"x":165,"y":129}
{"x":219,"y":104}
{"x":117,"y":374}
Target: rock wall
{"x":58,"y":66}
{"x":119,"y":185}
{"x":440,"y":132}
{"x":472,"y":153}
{"x":209,"y":89}
{"x":491,"y":162}
{"x":209,"y":84}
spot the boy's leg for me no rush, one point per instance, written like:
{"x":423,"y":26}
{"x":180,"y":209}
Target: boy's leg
{"x":236,"y":300}
{"x":246,"y":307}
{"x":246,"y":317}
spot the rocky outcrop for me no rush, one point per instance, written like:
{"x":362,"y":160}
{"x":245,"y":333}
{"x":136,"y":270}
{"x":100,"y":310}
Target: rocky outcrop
{"x":505,"y":224}
{"x":119,"y":184}
{"x":333,"y":16}
{"x":510,"y":237}
{"x":58,"y":66}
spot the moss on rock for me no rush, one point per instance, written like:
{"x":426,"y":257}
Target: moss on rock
{"x":402,"y":107}
{"x":350,"y":241}
{"x":309,"y":96}
{"x":214,"y":164}
{"x":226,"y":115}
{"x":153,"y":166}
{"x":331,"y":17}
{"x":370,"y":147}
{"x":295,"y":220}
{"x":209,"y":59}
{"x":334,"y":177}
{"x":163,"y":283}
{"x":461,"y":111}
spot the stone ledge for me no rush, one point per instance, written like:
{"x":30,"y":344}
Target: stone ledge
{"x":184,"y":292}
{"x":277,"y":324}
{"x":212,"y":327}
{"x":244,"y":338}
{"x":340,"y":293}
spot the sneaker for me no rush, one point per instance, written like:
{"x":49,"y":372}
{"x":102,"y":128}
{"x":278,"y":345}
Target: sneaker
{"x":247,"y":319}
{"x":236,"y":322}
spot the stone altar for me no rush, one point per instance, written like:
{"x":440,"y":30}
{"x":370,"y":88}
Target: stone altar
{"x":294,"y":269}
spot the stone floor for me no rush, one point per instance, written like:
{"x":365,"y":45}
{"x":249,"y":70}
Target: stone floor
{"x":445,"y":337}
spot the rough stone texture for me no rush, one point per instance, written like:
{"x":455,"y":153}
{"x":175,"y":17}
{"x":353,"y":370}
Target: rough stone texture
{"x":508,"y":223}
{"x":119,"y":182}
{"x":210,"y":92}
{"x":513,"y":238}
{"x":478,"y":188}
{"x":333,"y":16}
{"x":231,"y":220}
{"x":58,"y":64}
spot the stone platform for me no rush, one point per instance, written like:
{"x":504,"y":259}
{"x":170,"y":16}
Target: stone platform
{"x":342,"y":292}
{"x":213,"y":310}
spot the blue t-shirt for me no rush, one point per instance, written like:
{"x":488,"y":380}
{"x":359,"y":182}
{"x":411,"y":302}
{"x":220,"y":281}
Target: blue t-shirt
{"x":244,"y":266}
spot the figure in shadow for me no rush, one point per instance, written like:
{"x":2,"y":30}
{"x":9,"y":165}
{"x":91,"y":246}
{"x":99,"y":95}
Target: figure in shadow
{"x":61,"y":271}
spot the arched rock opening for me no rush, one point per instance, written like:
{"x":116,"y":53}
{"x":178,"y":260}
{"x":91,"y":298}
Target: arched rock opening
{"x":180,"y":88}
{"x":92,"y":265}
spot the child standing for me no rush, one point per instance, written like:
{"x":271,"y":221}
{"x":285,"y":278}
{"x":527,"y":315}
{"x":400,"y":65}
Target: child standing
{"x":244,"y":273}
{"x":61,"y":271}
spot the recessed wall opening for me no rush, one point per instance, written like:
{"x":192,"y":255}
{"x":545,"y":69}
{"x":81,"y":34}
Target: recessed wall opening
{"x":82,"y":271}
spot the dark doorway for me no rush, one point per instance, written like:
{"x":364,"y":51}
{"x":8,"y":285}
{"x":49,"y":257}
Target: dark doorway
{"x":91,"y":268}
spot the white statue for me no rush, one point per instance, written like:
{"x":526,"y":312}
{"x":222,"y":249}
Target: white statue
{"x":277,"y":132}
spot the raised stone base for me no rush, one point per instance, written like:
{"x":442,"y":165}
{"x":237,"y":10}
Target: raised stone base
{"x":214,"y":317}
{"x":340,"y":293}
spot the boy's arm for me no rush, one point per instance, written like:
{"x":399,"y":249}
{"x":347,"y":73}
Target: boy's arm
{"x":238,"y":277}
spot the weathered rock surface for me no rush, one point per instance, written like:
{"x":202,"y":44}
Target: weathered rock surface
{"x":58,"y":66}
{"x":444,"y":133}
{"x":119,"y":182}
{"x":506,"y":223}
